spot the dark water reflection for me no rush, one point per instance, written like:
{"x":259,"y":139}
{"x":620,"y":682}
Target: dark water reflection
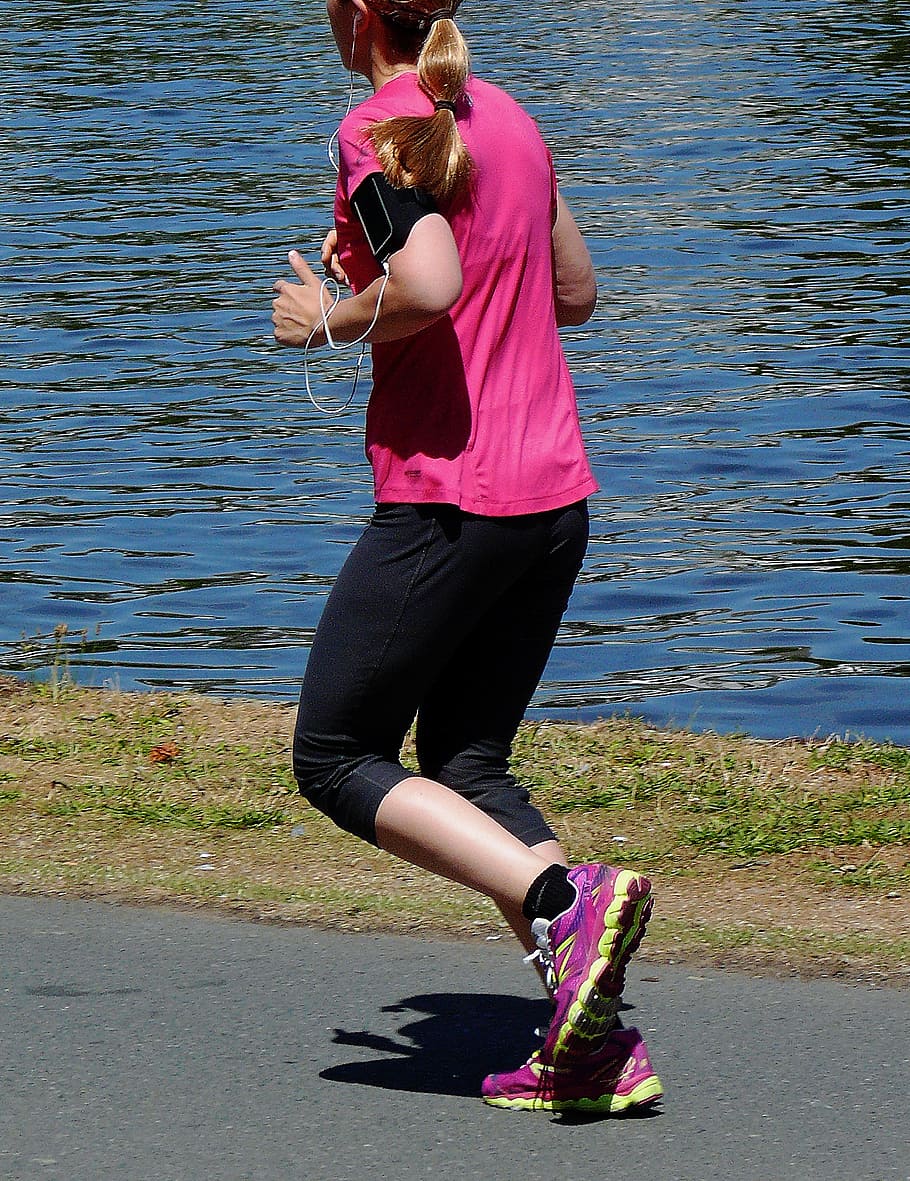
{"x":741,"y":172}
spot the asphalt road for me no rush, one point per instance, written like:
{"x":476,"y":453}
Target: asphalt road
{"x":153,"y":1045}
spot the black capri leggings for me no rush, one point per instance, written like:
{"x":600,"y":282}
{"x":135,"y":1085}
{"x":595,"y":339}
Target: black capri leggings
{"x":448,"y":617}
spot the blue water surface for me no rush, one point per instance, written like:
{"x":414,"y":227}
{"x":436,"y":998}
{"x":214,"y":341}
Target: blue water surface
{"x":741,"y":174}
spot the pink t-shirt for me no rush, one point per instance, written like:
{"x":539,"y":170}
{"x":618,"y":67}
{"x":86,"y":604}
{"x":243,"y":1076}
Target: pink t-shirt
{"x":477,"y":410}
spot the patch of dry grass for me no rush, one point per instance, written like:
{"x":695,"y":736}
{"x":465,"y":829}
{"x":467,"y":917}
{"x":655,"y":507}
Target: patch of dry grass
{"x":782,"y":856}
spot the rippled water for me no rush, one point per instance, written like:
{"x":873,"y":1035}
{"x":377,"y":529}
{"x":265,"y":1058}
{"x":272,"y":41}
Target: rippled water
{"x":741,"y":171}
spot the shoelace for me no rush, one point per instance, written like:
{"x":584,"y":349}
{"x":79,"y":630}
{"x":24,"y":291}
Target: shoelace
{"x":540,"y":930}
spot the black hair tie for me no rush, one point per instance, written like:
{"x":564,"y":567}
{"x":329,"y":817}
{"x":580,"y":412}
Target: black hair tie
{"x":443,"y":104}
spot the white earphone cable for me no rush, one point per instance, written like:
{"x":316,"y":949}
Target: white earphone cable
{"x":337,"y":346}
{"x":328,"y":282}
{"x":333,"y":138}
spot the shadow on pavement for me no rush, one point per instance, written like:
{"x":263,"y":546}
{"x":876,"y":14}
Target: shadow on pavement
{"x":455,"y":1041}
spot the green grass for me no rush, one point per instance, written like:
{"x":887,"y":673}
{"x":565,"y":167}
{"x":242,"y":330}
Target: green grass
{"x":35,"y":749}
{"x":713,"y":800}
{"x":87,"y":807}
{"x":844,"y":755}
{"x":801,"y":945}
{"x":870,"y":876}
{"x":223,"y":785}
{"x":150,"y":808}
{"x":743,"y":821}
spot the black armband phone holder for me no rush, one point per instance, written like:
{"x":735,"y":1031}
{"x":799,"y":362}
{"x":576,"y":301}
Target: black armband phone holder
{"x":388,"y":214}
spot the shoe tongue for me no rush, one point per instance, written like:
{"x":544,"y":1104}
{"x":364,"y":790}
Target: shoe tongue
{"x":539,"y":929}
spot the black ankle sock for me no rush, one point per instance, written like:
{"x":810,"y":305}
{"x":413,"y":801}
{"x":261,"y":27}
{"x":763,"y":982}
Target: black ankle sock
{"x":550,"y":894}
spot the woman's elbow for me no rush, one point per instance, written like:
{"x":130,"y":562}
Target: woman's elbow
{"x":576,"y":307}
{"x":429,"y":268}
{"x":438,"y":293}
{"x":446,"y":292}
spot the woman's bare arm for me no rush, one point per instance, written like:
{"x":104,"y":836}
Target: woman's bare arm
{"x":424,"y":282}
{"x":574,"y":284}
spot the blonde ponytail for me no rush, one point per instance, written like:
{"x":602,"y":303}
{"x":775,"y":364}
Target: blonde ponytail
{"x":427,"y":151}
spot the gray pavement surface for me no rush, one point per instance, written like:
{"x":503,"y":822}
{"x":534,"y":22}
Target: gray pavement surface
{"x":155,"y":1045}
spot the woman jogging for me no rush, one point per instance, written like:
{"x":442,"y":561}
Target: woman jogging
{"x":462,"y":262}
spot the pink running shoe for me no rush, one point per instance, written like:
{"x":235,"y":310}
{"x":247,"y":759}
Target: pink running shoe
{"x":612,"y":1079}
{"x":585,"y":951}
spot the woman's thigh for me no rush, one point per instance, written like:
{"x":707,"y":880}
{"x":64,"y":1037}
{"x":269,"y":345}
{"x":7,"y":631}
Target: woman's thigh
{"x":469,"y":716}
{"x":443,"y":613}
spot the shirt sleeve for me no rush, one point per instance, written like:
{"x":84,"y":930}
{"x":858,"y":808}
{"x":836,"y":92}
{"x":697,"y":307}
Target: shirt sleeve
{"x":554,"y":187}
{"x":356,"y":156}
{"x":356,"y":161}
